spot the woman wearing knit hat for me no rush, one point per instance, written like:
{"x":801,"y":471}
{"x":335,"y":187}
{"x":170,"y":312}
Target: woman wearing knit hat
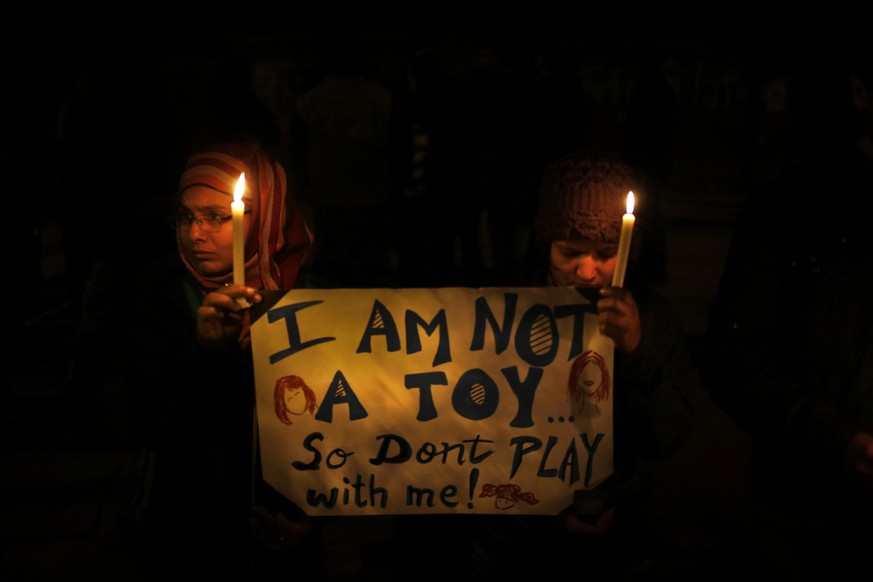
{"x":202,"y":509}
{"x":581,"y":202}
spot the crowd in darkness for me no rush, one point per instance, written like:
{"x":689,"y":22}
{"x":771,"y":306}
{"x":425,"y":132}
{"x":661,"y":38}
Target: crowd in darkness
{"x":416,"y":161}
{"x":439,"y":180}
{"x":99,"y":127}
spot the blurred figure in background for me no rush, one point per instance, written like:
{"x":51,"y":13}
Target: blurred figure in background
{"x":789,"y":344}
{"x":344,"y":143}
{"x":113,"y":118}
{"x":430,"y":165}
{"x":649,"y":144}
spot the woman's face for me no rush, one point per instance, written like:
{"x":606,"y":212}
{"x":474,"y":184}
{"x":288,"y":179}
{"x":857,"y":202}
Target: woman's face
{"x":203,"y":209}
{"x":582,"y":263}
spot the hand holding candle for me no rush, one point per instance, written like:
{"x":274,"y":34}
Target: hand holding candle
{"x":624,"y":242}
{"x":238,"y":208}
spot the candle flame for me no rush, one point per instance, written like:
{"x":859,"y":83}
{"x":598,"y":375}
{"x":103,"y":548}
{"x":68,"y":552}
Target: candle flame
{"x":630,"y":202}
{"x":240,"y":188}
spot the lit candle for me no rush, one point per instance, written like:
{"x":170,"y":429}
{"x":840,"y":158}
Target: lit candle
{"x":238,"y":209}
{"x":624,"y":241}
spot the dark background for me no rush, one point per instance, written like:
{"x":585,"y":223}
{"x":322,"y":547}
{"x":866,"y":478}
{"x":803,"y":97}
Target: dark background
{"x":101,"y":103}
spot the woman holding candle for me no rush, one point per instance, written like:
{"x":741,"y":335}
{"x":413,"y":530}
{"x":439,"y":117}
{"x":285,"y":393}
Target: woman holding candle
{"x":191,"y":358}
{"x":272,"y":256}
{"x":582,"y":199}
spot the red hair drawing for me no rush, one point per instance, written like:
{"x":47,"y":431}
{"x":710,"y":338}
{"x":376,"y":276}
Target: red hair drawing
{"x":291,"y":395}
{"x":588,"y":383}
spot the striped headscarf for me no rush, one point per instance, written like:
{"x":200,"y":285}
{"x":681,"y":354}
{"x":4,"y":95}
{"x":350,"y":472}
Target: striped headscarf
{"x":278,"y":242}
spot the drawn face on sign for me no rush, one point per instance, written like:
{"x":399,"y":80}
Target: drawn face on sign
{"x":589,"y":380}
{"x":292,"y":396}
{"x":295,"y":401}
{"x":588,"y":383}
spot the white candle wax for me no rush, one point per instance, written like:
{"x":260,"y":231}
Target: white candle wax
{"x":238,"y":208}
{"x":624,"y":242}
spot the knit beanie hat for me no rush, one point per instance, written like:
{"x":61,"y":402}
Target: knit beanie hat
{"x":583,"y":195}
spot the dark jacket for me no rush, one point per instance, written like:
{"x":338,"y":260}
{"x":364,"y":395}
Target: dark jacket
{"x":652,"y":416}
{"x":198,"y":476}
{"x":788,"y":349}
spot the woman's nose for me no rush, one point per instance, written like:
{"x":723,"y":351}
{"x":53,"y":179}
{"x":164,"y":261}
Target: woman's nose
{"x":586,"y":270}
{"x":196,"y":232}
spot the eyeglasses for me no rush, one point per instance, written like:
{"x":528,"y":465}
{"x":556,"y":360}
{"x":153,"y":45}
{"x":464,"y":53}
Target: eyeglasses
{"x":209,"y":222}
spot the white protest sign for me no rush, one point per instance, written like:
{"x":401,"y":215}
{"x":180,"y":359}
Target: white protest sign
{"x":445,"y":400}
